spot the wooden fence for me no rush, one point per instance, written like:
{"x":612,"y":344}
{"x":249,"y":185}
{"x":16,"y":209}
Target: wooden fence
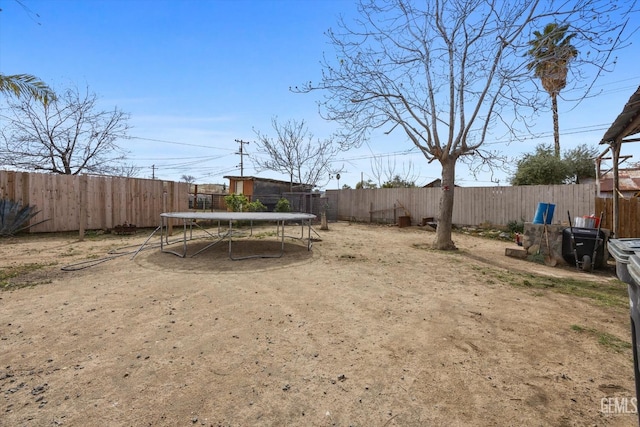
{"x":472,"y":205}
{"x":70,"y":203}
{"x":629,"y":215}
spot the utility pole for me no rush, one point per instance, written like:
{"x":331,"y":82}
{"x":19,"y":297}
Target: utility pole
{"x":242,"y":154}
{"x":153,"y":171}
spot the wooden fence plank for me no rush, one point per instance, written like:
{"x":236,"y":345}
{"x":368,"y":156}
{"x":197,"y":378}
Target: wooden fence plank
{"x":629,"y":215}
{"x":472,"y":205}
{"x":109,"y":201}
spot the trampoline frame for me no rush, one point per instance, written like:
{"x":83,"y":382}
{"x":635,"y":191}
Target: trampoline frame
{"x":189,"y":220}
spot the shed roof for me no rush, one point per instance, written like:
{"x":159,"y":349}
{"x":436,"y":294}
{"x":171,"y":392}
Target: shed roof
{"x":627,"y":123}
{"x":256,"y":178}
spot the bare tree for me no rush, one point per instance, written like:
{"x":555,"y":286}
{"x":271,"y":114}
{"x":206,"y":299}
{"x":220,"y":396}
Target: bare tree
{"x":126,"y":170}
{"x":189,"y":179}
{"x":447,"y":72}
{"x":294,"y":152}
{"x":68,"y":135}
{"x":388,"y":173}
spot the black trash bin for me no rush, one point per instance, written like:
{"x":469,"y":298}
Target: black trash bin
{"x":585,"y":239}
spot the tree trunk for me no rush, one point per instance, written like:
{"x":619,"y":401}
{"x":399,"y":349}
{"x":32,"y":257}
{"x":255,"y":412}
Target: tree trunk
{"x":445,"y":219}
{"x":556,"y":127}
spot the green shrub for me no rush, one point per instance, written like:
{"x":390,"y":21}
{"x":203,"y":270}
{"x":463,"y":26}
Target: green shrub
{"x":257,"y":206}
{"x":237,"y":202}
{"x":516,"y":226}
{"x":283,"y":206}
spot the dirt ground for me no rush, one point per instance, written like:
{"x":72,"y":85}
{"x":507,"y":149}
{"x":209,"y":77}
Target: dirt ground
{"x":370,"y":328}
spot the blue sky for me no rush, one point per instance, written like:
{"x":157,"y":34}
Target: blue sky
{"x":196,"y":75}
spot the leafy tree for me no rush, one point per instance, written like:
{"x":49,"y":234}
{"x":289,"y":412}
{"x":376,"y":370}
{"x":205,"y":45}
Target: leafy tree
{"x":446,"y":72}
{"x":366,"y":184}
{"x":21,"y":85}
{"x":580,"y":163}
{"x":398,"y":182}
{"x":295,"y":153}
{"x":543,"y":168}
{"x":551,"y":52}
{"x":69,"y":135}
{"x":540,"y":168}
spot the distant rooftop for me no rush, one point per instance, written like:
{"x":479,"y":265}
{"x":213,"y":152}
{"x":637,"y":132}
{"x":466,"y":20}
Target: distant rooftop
{"x":256,"y":178}
{"x":629,"y":180}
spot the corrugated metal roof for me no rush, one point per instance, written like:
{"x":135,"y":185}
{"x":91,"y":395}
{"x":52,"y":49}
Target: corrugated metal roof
{"x":629,"y":180}
{"x":627,"y":123}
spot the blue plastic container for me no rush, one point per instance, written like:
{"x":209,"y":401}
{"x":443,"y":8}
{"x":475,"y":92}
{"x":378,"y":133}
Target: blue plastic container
{"x":544,"y":208}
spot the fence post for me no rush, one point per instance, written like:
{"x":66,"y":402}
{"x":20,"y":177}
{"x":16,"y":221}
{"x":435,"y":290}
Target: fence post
{"x":170,"y":194}
{"x":25,"y":179}
{"x":83,"y":196}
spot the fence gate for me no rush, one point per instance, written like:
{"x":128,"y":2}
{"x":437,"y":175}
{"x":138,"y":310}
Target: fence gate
{"x":629,"y":215}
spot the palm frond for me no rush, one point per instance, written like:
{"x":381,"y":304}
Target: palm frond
{"x":26,"y":84}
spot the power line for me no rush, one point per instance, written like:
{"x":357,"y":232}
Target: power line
{"x":217,"y":172}
{"x":190,"y":163}
{"x":150,"y":159}
{"x":32,"y":15}
{"x":164,"y":141}
{"x":414,"y":149}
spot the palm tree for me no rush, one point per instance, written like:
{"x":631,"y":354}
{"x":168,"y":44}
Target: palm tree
{"x":26,"y":84}
{"x":552,"y":52}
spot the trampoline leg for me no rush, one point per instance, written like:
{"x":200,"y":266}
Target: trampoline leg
{"x":147,"y":241}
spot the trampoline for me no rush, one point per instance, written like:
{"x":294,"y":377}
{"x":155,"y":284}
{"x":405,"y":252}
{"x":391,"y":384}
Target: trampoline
{"x":226,"y":231}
